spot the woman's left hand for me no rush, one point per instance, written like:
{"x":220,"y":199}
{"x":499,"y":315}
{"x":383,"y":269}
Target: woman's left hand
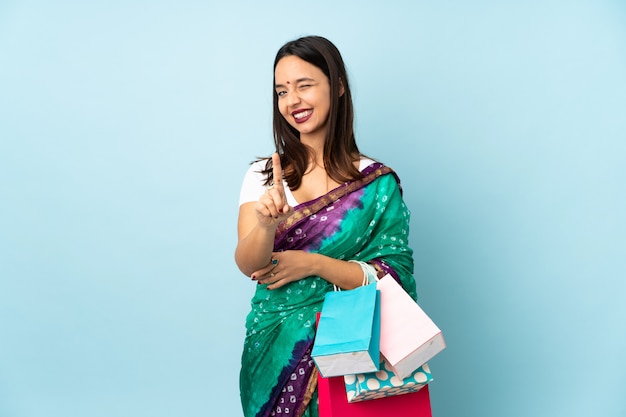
{"x":285,"y":267}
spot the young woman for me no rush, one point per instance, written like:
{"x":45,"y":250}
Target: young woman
{"x":316,"y":213}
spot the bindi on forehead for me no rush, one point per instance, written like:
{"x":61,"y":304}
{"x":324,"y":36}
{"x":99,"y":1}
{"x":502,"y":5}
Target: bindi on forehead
{"x":299,"y":80}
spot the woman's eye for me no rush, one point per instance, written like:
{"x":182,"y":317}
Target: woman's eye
{"x":281,"y":93}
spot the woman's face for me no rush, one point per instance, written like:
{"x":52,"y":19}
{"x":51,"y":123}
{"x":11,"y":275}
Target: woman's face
{"x":303,"y":97}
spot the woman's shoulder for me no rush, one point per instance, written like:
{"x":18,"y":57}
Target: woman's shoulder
{"x":258,"y":165}
{"x":257,"y":170}
{"x":383,"y":174}
{"x":365,"y":162}
{"x":253,"y":184}
{"x":368,"y":165}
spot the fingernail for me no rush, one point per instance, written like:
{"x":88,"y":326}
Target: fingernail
{"x":253,"y":276}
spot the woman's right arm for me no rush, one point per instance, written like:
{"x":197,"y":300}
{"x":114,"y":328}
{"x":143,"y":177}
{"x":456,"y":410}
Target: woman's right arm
{"x":257,"y":223}
{"x":255,"y":242}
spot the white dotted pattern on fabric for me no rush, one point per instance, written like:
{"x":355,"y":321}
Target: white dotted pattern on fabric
{"x":384,"y":383}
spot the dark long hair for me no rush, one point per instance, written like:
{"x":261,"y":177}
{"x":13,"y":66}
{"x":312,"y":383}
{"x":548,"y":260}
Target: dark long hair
{"x":340,"y":148}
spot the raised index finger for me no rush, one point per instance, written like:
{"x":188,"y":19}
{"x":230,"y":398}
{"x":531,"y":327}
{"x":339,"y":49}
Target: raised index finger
{"x":277,"y":170}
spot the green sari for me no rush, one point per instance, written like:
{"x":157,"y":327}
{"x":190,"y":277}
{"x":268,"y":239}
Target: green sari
{"x":364,"y":220}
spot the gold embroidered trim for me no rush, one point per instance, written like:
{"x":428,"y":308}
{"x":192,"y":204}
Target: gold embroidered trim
{"x":331,"y":196}
{"x":308,"y":394}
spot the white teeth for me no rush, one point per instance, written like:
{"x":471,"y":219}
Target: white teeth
{"x":302,"y":115}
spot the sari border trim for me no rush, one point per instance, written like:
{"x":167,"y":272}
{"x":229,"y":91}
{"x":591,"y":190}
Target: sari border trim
{"x":304,"y":210}
{"x":310,"y":390}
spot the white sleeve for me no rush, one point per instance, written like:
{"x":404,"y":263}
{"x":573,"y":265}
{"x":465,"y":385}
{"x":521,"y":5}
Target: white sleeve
{"x":252,"y":187}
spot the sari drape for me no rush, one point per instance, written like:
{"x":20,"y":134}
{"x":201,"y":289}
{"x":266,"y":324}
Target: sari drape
{"x":363,"y":220}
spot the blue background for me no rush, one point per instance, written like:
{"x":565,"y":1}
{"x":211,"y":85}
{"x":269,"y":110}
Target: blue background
{"x":125,"y":131}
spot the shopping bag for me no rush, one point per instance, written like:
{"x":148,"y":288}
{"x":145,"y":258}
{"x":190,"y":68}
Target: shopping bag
{"x":384,"y":383}
{"x":408,"y":337}
{"x":333,"y":402}
{"x":348,"y":332}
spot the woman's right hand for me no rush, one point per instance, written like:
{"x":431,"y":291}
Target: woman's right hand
{"x":257,"y":223}
{"x":272,"y":207}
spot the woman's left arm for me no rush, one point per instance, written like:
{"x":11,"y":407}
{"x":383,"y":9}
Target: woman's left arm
{"x":294,"y":265}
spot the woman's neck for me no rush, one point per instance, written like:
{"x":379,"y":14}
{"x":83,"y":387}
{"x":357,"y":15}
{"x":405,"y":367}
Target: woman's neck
{"x":316,"y":153}
{"x":314,"y":141}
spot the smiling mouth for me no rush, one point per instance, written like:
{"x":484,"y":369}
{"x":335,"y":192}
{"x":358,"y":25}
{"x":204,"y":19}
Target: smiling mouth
{"x":302,"y":116}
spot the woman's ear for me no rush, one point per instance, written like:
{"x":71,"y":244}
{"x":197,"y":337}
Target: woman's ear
{"x":341,"y":88}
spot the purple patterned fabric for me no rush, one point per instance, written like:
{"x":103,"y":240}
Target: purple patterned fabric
{"x":293,"y":393}
{"x":312,"y":229}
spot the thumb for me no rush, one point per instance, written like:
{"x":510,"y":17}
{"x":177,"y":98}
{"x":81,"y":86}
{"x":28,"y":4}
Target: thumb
{"x":287,"y":209}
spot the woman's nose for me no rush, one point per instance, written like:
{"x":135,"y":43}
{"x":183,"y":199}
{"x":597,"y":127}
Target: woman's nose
{"x":293,"y":98}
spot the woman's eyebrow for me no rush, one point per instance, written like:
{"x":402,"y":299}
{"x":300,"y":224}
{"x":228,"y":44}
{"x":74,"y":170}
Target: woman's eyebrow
{"x":299,"y":80}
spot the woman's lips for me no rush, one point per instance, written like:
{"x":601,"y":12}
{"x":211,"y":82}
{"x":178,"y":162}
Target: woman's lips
{"x":301,"y":116}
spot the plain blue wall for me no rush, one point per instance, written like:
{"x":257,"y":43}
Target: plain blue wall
{"x":125,"y":130}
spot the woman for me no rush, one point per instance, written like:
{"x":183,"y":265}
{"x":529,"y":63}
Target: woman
{"x":317,"y":213}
